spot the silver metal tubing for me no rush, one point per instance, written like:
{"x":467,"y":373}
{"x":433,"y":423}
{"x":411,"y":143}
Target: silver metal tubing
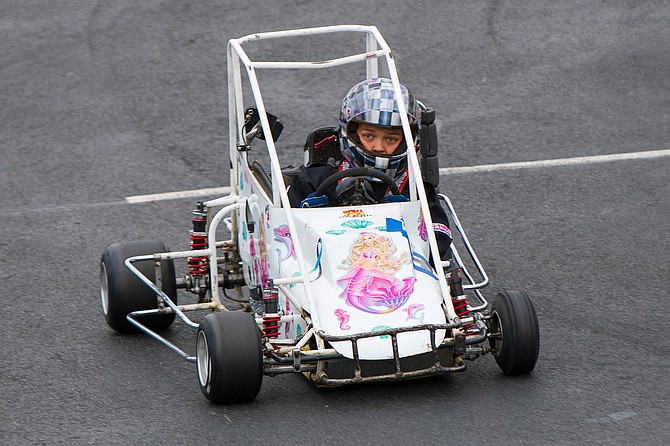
{"x":468,"y":276}
{"x":391,"y":332}
{"x":211,"y":239}
{"x":225,"y":244}
{"x":289,"y":295}
{"x":228,"y":222}
{"x":273,"y":369}
{"x":306,"y":358}
{"x":288,"y":280}
{"x":129,"y":263}
{"x":300,"y":344}
{"x":223,"y":201}
{"x":210,"y":252}
{"x":306,"y":32}
{"x":306,"y":353}
{"x":468,"y":246}
{"x":156,"y":336}
{"x":473,"y":340}
{"x":322,"y":63}
{"x":305,"y":338}
{"x":480,"y":307}
{"x":176,"y":254}
{"x":282,"y":319}
{"x":328,"y":351}
{"x":436,"y":369}
{"x":195,"y":307}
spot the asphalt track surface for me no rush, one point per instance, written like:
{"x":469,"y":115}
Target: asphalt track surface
{"x":106,"y":100}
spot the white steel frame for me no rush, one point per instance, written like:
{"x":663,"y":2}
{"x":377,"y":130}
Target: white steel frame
{"x":376,"y":48}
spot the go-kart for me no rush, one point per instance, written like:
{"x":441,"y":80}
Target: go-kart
{"x":349,"y":291}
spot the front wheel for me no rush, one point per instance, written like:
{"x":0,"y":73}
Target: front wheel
{"x":122,"y":292}
{"x":514,"y":333}
{"x":229,"y":359}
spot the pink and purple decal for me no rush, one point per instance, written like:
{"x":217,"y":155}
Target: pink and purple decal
{"x":371,"y":285}
{"x":423,"y":230}
{"x":415,"y":311}
{"x":343,"y":317}
{"x":283,"y":235}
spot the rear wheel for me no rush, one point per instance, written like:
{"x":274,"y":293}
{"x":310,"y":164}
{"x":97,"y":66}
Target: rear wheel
{"x":229,"y":358}
{"x":514,"y":332}
{"x":122,"y":292}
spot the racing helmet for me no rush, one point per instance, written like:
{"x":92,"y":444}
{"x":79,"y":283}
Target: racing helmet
{"x":372,"y":101}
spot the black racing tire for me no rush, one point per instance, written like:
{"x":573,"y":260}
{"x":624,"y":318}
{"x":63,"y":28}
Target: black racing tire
{"x":122,"y":292}
{"x":229,"y":358}
{"x":514,"y":333}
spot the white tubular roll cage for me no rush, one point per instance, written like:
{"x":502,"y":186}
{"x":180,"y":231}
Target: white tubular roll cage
{"x":375,"y":48}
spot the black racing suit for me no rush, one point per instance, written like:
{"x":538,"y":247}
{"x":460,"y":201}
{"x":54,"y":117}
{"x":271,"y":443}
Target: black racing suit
{"x":304,"y":183}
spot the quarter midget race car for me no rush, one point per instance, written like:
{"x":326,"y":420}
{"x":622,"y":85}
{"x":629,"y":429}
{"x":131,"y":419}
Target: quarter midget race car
{"x":344,"y":294}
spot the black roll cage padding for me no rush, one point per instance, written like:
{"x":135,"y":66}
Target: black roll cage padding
{"x":429,"y":163}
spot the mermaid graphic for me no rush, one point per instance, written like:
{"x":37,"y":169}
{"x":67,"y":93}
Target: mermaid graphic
{"x":370,"y":285}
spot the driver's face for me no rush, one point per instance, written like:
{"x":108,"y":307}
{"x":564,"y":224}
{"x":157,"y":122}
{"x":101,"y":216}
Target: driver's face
{"x":382,"y":140}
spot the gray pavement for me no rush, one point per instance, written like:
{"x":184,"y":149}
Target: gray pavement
{"x":104,"y":100}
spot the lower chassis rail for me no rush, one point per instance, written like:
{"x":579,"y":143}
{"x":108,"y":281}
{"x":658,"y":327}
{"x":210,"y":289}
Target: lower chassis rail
{"x":300,"y":362}
{"x":322,"y":379}
{"x":393,"y":333}
{"x":455,"y":346}
{"x":131,"y":318}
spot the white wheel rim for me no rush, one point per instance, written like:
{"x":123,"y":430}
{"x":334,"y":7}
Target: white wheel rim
{"x":203,"y":360}
{"x":499,"y":341}
{"x":104,"y":289}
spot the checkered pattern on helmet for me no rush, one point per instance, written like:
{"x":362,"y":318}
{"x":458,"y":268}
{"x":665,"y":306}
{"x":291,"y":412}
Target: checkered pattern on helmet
{"x":388,"y":165}
{"x":372,"y":101}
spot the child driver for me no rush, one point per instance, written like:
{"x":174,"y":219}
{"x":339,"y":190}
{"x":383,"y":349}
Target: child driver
{"x":371,"y":135}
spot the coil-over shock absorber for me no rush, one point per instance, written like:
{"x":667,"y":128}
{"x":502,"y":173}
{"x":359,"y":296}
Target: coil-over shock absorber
{"x":458,"y":297}
{"x":271,"y":312}
{"x":198,"y":266}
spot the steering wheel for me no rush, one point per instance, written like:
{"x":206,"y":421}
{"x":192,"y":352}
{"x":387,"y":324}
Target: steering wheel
{"x":360,"y":190}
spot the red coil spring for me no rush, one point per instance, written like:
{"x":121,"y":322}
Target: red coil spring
{"x":197,"y":265}
{"x":271,"y":325}
{"x":462,"y":311}
{"x":271,"y":316}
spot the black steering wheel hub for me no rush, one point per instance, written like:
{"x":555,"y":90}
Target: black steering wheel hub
{"x":356,"y":188}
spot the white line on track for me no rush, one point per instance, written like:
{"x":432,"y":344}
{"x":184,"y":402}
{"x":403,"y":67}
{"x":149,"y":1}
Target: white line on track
{"x":443,"y":171}
{"x":180,"y":194}
{"x":557,"y":162}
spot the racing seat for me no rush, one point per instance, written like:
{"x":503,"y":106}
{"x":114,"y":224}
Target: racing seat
{"x":322,"y":144}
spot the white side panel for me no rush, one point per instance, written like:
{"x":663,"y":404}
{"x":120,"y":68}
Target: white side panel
{"x":366,"y":276}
